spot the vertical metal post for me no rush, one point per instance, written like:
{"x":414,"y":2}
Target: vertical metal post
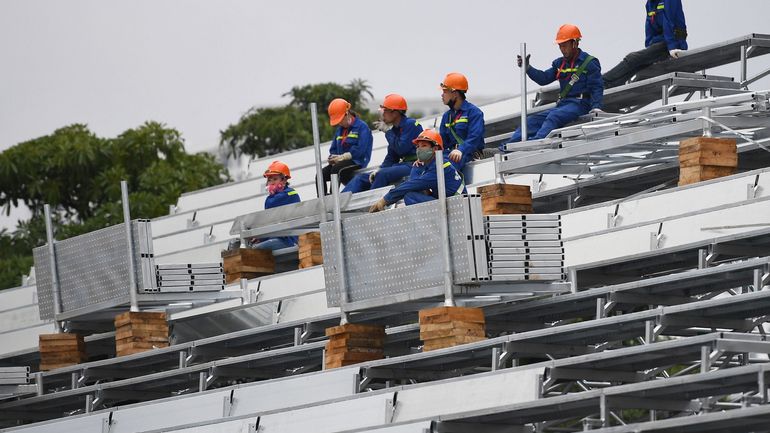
{"x":182,"y":359}
{"x":495,"y":358}
{"x":524,"y":66}
{"x":499,"y":178}
{"x":202,"y":376}
{"x":664,"y":94}
{"x":603,"y":416}
{"x":705,"y":362}
{"x":54,"y":270}
{"x":649,"y":332}
{"x":130,"y":238}
{"x":342,"y":272}
{"x":39,"y":385}
{"x":449,"y":298}
{"x":319,"y":179}
{"x":744,"y":64}
{"x":89,"y":403}
{"x":599,"y":308}
{"x":707,"y":124}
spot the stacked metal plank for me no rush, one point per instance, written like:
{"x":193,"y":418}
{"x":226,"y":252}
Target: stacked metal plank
{"x":524,"y":247}
{"x":190,"y":277}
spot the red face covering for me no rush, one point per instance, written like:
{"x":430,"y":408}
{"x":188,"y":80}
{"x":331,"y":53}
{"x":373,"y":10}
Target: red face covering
{"x":275,"y":188}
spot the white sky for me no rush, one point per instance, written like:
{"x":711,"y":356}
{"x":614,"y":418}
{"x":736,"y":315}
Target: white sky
{"x":198,"y":65}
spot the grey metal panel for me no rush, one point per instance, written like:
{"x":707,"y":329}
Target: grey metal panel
{"x":397,"y":251}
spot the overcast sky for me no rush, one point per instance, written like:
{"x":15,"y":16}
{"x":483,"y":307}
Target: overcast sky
{"x":198,"y":65}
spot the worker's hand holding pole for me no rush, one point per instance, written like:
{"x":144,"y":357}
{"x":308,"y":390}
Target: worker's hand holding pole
{"x":519,"y":61}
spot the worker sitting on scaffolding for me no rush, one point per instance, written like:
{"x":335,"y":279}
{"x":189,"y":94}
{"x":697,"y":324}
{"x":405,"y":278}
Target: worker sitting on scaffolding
{"x":580,"y":81}
{"x":400,"y":156}
{"x":462,"y":126}
{"x":422,"y":184}
{"x":351,"y":147}
{"x":665,"y":37}
{"x":279,"y":193}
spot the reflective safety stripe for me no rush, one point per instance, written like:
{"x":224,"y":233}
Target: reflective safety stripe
{"x":344,"y":137}
{"x":565,"y":70}
{"x":292,"y":193}
{"x":416,"y":123}
{"x":352,"y":135}
{"x":661,"y":6}
{"x":462,"y":184}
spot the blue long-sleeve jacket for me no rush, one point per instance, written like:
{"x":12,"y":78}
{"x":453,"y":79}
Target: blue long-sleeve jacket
{"x":665,"y":22}
{"x":468,"y":125}
{"x":561,"y":69}
{"x":357,"y":140}
{"x":287,"y":196}
{"x":424,"y":178}
{"x":400,"y":144}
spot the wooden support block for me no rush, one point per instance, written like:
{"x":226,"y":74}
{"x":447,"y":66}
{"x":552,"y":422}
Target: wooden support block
{"x":310,"y":252}
{"x":706,"y":158}
{"x":140,"y":331}
{"x":61,"y":350}
{"x":248,"y":260}
{"x":700,"y":173}
{"x":450,"y":314}
{"x":708,"y":146}
{"x":356,"y":329}
{"x":442,"y":343}
{"x":353,"y":343}
{"x":502,"y":199}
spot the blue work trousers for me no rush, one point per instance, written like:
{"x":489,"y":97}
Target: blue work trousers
{"x":539,"y":125}
{"x":384,"y":177}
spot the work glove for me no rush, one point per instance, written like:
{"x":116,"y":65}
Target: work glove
{"x":519,"y":61}
{"x":379,"y":206}
{"x":381,"y":126}
{"x":676,"y":53}
{"x":332,"y":159}
{"x":596,"y":111}
{"x":372,"y":175}
{"x":345,"y":157}
{"x":455,"y":155}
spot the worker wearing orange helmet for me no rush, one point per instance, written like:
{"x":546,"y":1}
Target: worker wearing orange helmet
{"x":462,"y":126}
{"x":279,"y":193}
{"x":351,"y":146}
{"x":580,"y":80}
{"x":401,"y":154}
{"x":422,"y":184}
{"x":665,"y":37}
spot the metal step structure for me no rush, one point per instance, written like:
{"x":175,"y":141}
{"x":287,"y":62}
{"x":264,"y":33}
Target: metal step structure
{"x":661,"y":326}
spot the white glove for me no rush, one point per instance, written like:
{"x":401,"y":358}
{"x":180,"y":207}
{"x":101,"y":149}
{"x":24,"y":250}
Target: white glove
{"x":372,"y":175}
{"x":455,"y":155}
{"x":596,"y":111}
{"x":676,"y":53}
{"x":379,"y":206}
{"x":381,"y":126}
{"x":344,"y":157}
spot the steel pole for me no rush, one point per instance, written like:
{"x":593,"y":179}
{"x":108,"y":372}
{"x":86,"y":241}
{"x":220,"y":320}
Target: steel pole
{"x":319,"y":179}
{"x":744,"y":64}
{"x":499,"y":178}
{"x":341,"y":271}
{"x":524,"y":66}
{"x":130,"y":250}
{"x":449,"y":299}
{"x":55,"y":289}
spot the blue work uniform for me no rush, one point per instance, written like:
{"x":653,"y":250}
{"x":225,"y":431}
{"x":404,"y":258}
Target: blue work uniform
{"x":463,"y":129}
{"x":398,"y":161}
{"x":357,"y":140}
{"x":665,"y":22}
{"x":424,"y":178}
{"x":287,"y":196}
{"x":585,"y":95}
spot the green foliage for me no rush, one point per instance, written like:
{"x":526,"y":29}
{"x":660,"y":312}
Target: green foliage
{"x":267,"y":131}
{"x":79,"y":175}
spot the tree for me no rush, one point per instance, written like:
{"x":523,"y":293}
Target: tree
{"x":267,"y":131}
{"x":79,"y":175}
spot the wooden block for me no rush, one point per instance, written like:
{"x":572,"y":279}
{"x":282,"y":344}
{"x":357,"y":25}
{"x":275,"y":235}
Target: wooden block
{"x":369,"y":350}
{"x":690,"y":175}
{"x":61,"y":350}
{"x":373,"y":343}
{"x":132,"y":333}
{"x":120,"y":349}
{"x":456,"y":324}
{"x":357,"y":329}
{"x":442,"y":343}
{"x":315,"y":255}
{"x":60,"y":336}
{"x":714,"y":159}
{"x":142,"y":340}
{"x":448,"y":314}
{"x":443,"y":333}
{"x":707,"y":144}
{"x":74,"y":357}
{"x":140,"y":317}
{"x":248,"y":260}
{"x":505,"y":209}
{"x":502,"y":189}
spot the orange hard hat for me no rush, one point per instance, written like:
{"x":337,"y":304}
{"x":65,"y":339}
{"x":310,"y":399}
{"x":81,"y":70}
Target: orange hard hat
{"x":431,"y":136}
{"x":277,"y":167}
{"x":394,"y":102}
{"x":568,"y":32}
{"x":455,"y":81}
{"x":337,"y":110}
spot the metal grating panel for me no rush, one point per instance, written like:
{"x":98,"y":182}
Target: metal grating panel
{"x":397,"y":251}
{"x":92,"y":269}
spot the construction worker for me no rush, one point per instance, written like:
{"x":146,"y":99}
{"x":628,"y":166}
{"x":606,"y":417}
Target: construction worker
{"x":462,"y":126}
{"x":351,"y":146}
{"x":401,"y":155}
{"x":279,"y":194}
{"x":665,"y":37}
{"x":422,"y":184}
{"x":580,"y":80}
